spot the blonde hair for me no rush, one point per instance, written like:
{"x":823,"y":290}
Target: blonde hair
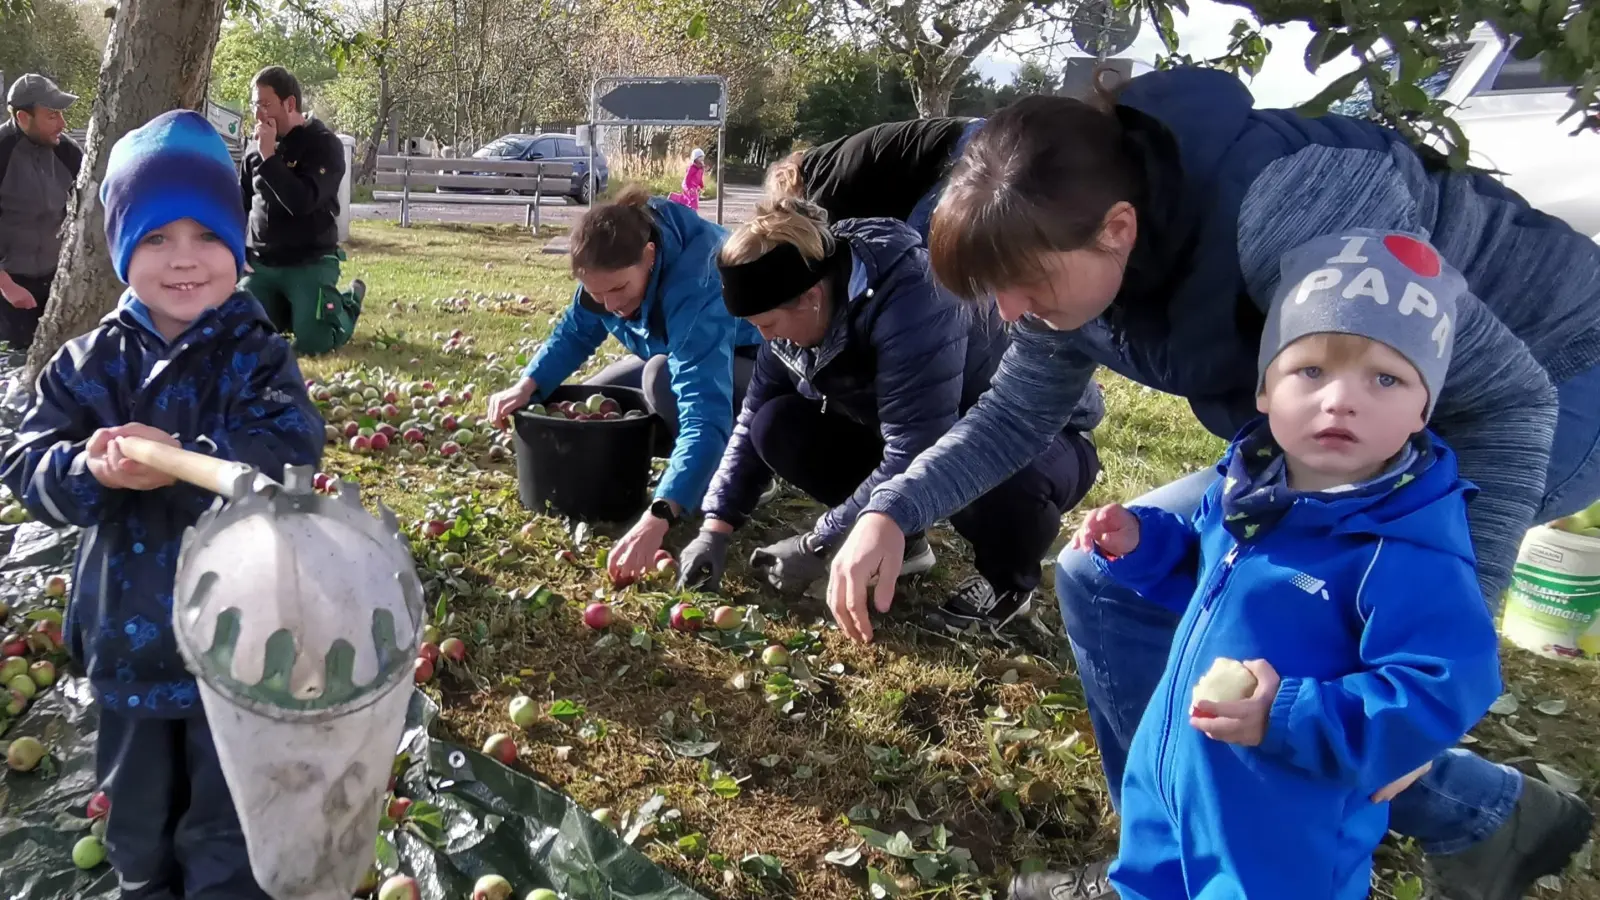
{"x":784,"y":178}
{"x":786,"y":221}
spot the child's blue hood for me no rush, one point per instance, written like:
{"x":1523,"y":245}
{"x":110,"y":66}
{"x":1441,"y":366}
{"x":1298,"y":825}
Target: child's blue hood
{"x":1405,"y":507}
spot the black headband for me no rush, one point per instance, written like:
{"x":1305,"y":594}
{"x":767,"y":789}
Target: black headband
{"x":774,"y":278}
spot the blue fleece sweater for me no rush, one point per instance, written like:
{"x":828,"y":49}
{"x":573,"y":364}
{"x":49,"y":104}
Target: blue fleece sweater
{"x":227,"y":387}
{"x":682,"y":317}
{"x":1366,"y":604}
{"x":1229,"y":190}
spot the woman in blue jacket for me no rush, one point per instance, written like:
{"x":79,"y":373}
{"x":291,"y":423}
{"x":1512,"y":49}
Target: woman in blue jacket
{"x":647,"y":275}
{"x":1146,"y":235}
{"x":865,"y":366}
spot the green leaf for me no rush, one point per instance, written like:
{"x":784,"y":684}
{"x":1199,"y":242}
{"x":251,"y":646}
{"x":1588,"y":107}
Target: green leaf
{"x":565,"y":711}
{"x":692,"y":845}
{"x":1408,"y":887}
{"x":439,"y":611}
{"x":1167,"y":30}
{"x":1333,"y":93}
{"x":880,"y":885}
{"x":1577,"y":32}
{"x":388,"y":859}
{"x":697,"y":26}
{"x":900,"y":845}
{"x":725,"y":786}
{"x":1325,"y":46}
{"x":763,"y":866}
{"x":927,"y":867}
{"x":1409,"y":96}
{"x":641,"y":639}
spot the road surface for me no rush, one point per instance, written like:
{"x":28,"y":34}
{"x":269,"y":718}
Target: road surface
{"x":738,"y":207}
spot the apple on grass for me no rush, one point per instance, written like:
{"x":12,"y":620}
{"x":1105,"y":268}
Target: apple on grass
{"x":687,"y":617}
{"x":523,"y":711}
{"x":453,"y":650}
{"x":726,"y":618}
{"x":422,"y":670}
{"x":597,"y":616}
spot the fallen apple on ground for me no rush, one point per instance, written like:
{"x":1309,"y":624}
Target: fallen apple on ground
{"x":597,"y":616}
{"x":422,"y":670}
{"x":99,"y":805}
{"x":501,"y":747}
{"x":55,"y":586}
{"x":664,"y":561}
{"x":43,"y":673}
{"x":24,"y":754}
{"x":542,"y":894}
{"x":687,"y":617}
{"x":523,"y":711}
{"x":88,"y":852}
{"x":453,"y":650}
{"x":400,"y":887}
{"x":725,"y":618}
{"x":12,"y":667}
{"x":775,"y":655}
{"x":491,"y":887}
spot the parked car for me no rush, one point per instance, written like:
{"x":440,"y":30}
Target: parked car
{"x":562,"y":148}
{"x":1511,"y":116}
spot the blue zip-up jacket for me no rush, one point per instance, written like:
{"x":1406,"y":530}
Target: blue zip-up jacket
{"x":1366,"y":603}
{"x":682,"y":317}
{"x":1228,"y":191}
{"x":900,"y":356}
{"x":228,"y":387}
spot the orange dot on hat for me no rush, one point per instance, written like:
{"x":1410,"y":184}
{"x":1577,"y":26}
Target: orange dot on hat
{"x":1417,"y":256}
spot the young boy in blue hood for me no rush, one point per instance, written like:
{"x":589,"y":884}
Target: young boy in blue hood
{"x":1332,"y":557}
{"x":188,"y":360}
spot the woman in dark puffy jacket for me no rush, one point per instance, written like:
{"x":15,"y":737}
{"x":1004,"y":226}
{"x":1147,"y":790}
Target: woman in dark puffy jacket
{"x":866,"y":365}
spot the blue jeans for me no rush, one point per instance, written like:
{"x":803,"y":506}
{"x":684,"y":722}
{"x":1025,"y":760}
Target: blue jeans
{"x":1121,"y":644}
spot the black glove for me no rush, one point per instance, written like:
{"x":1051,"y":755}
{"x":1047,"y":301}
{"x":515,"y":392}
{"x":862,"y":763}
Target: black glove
{"x":702,"y":562}
{"x":791,"y":564}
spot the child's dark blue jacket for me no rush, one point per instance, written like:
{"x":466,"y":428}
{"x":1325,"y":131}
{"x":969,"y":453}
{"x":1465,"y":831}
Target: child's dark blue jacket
{"x":1366,"y":602}
{"x":229,"y":386}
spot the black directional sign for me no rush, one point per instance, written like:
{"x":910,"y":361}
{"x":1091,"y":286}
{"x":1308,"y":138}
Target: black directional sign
{"x":675,"y":101}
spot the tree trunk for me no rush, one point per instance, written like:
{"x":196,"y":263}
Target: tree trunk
{"x":158,"y":59}
{"x":933,"y":98}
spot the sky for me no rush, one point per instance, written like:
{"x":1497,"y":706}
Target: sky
{"x":1283,"y":81}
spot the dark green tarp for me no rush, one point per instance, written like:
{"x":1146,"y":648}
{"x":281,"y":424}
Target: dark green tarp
{"x":491,"y":819}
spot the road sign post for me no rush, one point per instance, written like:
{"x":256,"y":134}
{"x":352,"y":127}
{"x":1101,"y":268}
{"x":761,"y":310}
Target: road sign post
{"x":619,"y":101}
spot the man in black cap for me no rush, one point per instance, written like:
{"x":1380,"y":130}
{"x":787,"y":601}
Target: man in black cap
{"x":38,"y":165}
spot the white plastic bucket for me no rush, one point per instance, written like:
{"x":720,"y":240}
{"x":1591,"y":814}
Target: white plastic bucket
{"x":1553,"y":605}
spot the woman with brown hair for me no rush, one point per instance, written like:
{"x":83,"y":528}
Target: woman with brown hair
{"x":647,"y":275}
{"x":865,"y":366}
{"x":1147,"y":235}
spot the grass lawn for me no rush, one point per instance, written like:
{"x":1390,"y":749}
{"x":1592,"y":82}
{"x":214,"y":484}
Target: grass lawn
{"x":959,"y":760}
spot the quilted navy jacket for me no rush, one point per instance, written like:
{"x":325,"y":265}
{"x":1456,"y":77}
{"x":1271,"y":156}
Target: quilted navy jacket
{"x":901,"y":356}
{"x":228,"y":386}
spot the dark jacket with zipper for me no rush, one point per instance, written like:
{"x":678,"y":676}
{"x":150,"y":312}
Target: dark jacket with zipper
{"x":293,"y":196}
{"x":900,"y":357}
{"x":35,"y":187}
{"x":227,"y":387}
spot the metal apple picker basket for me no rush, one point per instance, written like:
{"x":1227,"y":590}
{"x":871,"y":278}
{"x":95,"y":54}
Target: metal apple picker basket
{"x":299,"y":615}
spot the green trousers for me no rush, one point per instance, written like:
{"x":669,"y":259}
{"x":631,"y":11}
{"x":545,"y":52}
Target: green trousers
{"x":306,"y":300}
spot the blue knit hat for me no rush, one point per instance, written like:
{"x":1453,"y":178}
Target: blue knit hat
{"x":173,"y":167}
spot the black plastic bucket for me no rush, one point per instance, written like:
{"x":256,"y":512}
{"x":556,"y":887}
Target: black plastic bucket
{"x":595,"y":471}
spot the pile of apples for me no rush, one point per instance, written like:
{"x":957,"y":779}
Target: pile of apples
{"x":432,"y":652}
{"x":1585,"y":522}
{"x":26,"y":664}
{"x":598,"y":408}
{"x":413,"y":418}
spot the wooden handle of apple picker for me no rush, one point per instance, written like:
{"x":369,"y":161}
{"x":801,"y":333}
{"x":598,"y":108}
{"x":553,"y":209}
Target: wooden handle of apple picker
{"x":202,"y":471}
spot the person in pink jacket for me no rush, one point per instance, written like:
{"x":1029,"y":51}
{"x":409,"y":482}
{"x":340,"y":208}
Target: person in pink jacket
{"x":694,"y":180}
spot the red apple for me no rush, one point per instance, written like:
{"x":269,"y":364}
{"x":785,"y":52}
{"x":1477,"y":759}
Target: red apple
{"x":449,"y":448}
{"x":415,"y":435}
{"x":501,"y":747}
{"x":447,"y":399}
{"x":466,"y":396}
{"x":597,"y":616}
{"x":321,"y":395}
{"x":428,"y":651}
{"x":351,"y":429}
{"x":398,"y":807}
{"x":435,"y":528}
{"x":361,"y":443}
{"x":388,"y":431}
{"x":422,"y":670}
{"x":374,"y":412}
{"x":664,"y":561}
{"x":400,"y":887}
{"x":684,"y":617}
{"x":453,"y":649}
{"x":457,"y":334}
{"x":322,"y":482}
{"x":99,"y":805}
{"x":449,"y":423}
{"x":14,"y":645}
{"x":390,"y":411}
{"x":379,"y":442}
{"x":391,"y":397}
{"x":427,"y":386}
